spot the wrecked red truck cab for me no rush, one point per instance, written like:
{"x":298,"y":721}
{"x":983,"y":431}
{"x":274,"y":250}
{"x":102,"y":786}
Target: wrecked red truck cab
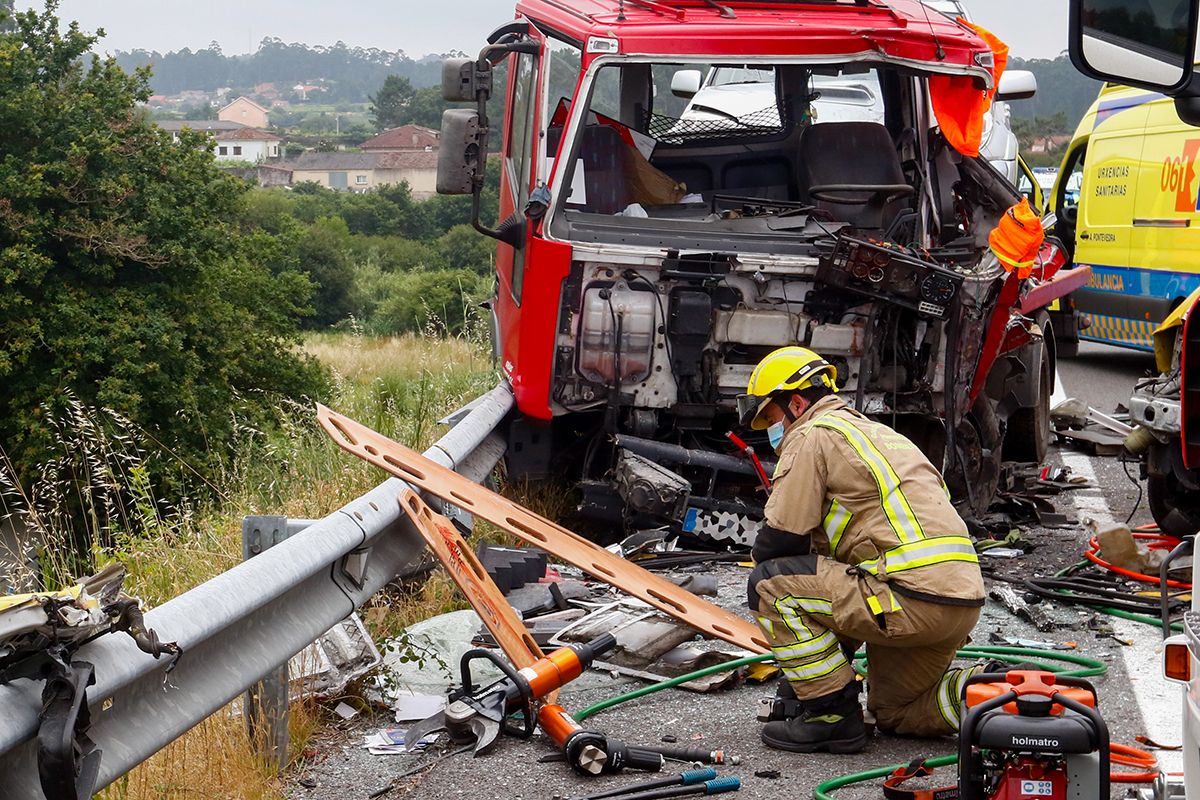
{"x":653,"y":248}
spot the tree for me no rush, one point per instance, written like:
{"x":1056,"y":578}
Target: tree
{"x":127,"y":281}
{"x":323,"y":256}
{"x":391,"y":105}
{"x":6,"y":15}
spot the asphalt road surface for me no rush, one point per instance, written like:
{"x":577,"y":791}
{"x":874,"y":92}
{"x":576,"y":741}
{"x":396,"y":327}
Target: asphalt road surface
{"x":1134,"y":698}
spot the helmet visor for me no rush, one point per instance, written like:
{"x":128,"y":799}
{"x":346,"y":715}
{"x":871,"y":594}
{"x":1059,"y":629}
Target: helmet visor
{"x":749,"y":406}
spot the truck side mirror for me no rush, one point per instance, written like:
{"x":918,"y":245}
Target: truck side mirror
{"x":685,"y":83}
{"x":463,"y":79}
{"x":1148,"y":45}
{"x":1016,"y":84}
{"x":461,"y":155}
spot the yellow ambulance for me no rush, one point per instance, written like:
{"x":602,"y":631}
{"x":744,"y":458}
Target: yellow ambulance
{"x":1126,"y":199}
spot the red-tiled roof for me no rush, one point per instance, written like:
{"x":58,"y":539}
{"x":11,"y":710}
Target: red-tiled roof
{"x":245,"y":134}
{"x":406,"y":137}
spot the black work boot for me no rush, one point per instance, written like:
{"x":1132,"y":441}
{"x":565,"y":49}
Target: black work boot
{"x":832,"y":723}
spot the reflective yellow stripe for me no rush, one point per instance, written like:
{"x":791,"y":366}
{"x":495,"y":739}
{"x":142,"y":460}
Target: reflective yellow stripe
{"x":877,"y":607}
{"x":768,"y":626}
{"x":895,"y":505}
{"x":806,"y":649}
{"x":786,"y":608}
{"x":819,"y":669}
{"x":936,"y":550}
{"x":808,"y":644}
{"x":835,"y":524}
{"x":815,"y":605}
{"x":949,"y":696}
{"x":943,"y":702}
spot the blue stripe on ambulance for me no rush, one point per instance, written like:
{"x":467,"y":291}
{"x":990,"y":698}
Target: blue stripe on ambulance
{"x":1137,"y":282}
{"x":1111,"y":107}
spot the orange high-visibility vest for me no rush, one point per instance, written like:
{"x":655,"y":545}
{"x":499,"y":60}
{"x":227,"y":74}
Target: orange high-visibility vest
{"x":1018,"y":238}
{"x":959,"y":105}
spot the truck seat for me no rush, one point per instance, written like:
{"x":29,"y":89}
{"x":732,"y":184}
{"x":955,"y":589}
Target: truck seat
{"x":854,"y":154}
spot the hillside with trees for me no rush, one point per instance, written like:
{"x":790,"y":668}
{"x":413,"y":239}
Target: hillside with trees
{"x":351,"y":72}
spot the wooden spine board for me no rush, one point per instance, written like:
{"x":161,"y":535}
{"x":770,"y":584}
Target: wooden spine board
{"x":415,"y":469}
{"x":469,"y":574}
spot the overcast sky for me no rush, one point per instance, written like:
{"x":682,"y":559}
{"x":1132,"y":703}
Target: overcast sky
{"x":1033,"y":28}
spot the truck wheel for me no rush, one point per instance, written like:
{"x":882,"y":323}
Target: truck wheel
{"x":1028,"y":435}
{"x":976,"y":475}
{"x":1176,"y":511}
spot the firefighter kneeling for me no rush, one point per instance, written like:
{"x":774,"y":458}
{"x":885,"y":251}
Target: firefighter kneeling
{"x":860,"y":545}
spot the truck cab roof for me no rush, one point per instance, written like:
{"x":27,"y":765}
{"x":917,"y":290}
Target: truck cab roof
{"x":896,"y":30}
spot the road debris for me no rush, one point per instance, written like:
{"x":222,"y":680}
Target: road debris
{"x":392,"y":741}
{"x":326,"y":667}
{"x":1036,"y":614}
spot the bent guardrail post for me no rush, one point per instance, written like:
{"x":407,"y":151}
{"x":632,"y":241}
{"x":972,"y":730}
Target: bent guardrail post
{"x":240,"y":626}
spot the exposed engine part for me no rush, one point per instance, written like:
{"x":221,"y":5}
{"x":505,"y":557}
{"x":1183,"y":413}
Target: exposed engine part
{"x":688,"y":329}
{"x":1155,"y":406}
{"x":617,"y":328}
{"x":666,"y":453}
{"x":650,"y":488}
{"x":759,"y":328}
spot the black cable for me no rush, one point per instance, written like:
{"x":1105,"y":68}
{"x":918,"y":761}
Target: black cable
{"x":1135,"y":482}
{"x":662,"y":311}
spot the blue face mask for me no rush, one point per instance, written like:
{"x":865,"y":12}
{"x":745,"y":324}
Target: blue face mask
{"x":775,"y":434}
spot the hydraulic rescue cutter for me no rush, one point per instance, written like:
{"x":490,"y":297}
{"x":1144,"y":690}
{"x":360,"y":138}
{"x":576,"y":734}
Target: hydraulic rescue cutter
{"x":478,"y":715}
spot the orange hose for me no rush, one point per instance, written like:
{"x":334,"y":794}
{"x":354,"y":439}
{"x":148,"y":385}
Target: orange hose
{"x":1158,"y":542}
{"x":1128,"y":756}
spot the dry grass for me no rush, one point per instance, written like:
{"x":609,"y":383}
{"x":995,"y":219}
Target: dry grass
{"x":399,"y":386}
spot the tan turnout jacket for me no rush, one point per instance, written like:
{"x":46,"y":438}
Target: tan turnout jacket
{"x":869,"y":497}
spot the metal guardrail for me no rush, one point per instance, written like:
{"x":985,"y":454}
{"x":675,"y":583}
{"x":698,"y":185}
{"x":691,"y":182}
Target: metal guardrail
{"x":240,"y":626}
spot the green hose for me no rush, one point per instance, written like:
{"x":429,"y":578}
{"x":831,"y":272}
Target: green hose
{"x":1012,"y":654}
{"x":822,"y":790}
{"x":1116,"y":612}
{"x":691,"y":676}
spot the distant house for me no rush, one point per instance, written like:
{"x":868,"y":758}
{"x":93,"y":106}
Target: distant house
{"x":358,"y":172}
{"x":245,"y":111}
{"x":406,"y":138}
{"x":247,"y":144}
{"x":235,"y":142}
{"x":303,"y":90}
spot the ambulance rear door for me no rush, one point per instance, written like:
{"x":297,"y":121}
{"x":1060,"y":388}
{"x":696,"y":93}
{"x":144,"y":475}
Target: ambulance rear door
{"x":1107,"y":202}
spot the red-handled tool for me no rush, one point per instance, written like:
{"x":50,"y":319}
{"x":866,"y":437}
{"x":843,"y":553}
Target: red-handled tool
{"x":748,"y":451}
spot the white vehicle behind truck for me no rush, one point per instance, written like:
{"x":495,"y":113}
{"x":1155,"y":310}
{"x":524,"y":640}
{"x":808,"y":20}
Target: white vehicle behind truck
{"x":736,"y":93}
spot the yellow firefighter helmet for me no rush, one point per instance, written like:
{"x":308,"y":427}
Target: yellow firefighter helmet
{"x":786,"y":369}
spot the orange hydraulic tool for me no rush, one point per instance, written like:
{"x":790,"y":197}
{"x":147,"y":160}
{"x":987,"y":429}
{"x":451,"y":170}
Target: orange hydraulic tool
{"x":531,"y":680}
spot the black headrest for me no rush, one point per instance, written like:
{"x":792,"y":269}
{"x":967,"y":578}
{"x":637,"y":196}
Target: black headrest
{"x":849,"y":152}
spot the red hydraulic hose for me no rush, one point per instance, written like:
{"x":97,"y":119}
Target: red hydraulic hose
{"x":1156,"y":541}
{"x":1128,"y":756}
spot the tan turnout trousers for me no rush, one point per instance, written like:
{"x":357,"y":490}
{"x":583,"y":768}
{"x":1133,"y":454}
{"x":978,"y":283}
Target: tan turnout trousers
{"x":814,"y":620}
